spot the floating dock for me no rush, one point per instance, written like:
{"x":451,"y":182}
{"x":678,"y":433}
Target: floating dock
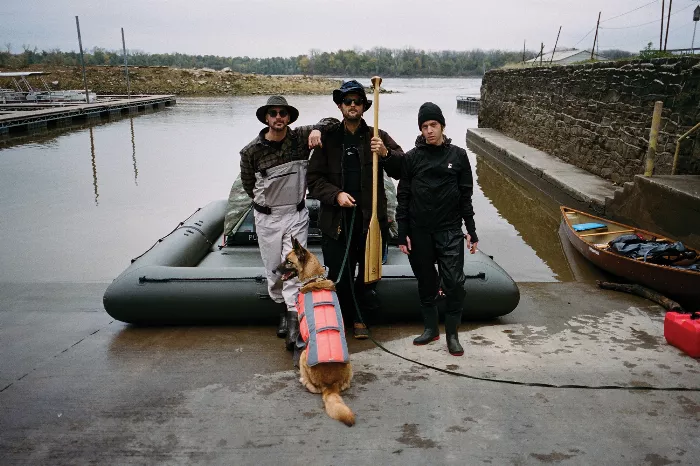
{"x":17,"y":118}
{"x":468,"y":104}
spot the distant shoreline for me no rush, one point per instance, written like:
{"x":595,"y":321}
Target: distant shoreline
{"x":106,"y":80}
{"x":193,"y":81}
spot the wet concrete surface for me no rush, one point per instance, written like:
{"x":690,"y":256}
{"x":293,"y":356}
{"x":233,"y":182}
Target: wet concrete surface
{"x":77,"y":387}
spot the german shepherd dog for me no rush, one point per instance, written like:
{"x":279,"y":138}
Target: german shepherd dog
{"x":330,"y":378}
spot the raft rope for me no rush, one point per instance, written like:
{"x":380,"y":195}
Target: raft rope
{"x":493,"y":379}
{"x":178,"y":227}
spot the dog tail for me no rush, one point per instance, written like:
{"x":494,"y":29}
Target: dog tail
{"x":336,"y":408}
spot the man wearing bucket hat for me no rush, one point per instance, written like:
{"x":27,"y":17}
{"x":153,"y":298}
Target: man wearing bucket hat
{"x":273,"y":174}
{"x":435,"y":197}
{"x":340,"y":177}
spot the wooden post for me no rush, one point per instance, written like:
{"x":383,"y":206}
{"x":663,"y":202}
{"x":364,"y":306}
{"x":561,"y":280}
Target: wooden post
{"x":82,"y":61}
{"x":595,"y":39}
{"x":668,"y":23}
{"x":661,"y":36}
{"x":126,"y":68}
{"x":541,"y":52}
{"x":524,"y":48}
{"x":653,"y":136}
{"x":555,"y":46}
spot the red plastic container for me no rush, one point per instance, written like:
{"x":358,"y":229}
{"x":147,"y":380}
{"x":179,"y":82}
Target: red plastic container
{"x":683,"y":331}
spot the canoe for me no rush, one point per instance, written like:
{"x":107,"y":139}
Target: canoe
{"x":196,"y":275}
{"x":592,"y":241}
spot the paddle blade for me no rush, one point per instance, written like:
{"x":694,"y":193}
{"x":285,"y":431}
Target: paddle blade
{"x":373,"y":252}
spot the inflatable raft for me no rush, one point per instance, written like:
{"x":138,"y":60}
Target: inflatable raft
{"x":197,"y":275}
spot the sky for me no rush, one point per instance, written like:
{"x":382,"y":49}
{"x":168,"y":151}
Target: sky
{"x":267,"y":28}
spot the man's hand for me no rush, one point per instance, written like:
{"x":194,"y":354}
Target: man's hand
{"x":345,"y":200}
{"x":406,"y":248}
{"x":471,"y":246}
{"x":315,"y":139}
{"x":377,"y":145}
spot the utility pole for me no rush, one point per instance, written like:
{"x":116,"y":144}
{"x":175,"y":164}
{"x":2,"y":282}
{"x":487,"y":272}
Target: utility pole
{"x":541,"y":52}
{"x":82,"y":61}
{"x":661,"y":36}
{"x":126,"y":67}
{"x":555,"y":46}
{"x":696,"y":18}
{"x":668,"y":23}
{"x":595,"y":39}
{"x":523,"y":50}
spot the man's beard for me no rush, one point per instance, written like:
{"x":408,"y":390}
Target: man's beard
{"x":356,"y":117}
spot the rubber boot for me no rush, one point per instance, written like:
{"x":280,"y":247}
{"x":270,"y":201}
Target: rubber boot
{"x":292,"y":330}
{"x":430,"y":321}
{"x":452,"y":321}
{"x":282,"y":325}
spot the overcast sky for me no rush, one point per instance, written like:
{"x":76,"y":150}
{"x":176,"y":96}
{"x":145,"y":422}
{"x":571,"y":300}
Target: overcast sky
{"x":265,"y":28}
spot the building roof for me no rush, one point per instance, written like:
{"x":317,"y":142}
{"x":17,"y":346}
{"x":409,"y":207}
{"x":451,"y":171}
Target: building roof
{"x":19,"y":74}
{"x":562,"y":54}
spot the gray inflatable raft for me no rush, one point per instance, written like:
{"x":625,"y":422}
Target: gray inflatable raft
{"x":191,"y":277}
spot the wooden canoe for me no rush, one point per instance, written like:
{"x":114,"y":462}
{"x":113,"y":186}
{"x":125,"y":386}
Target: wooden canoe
{"x":675,"y":283}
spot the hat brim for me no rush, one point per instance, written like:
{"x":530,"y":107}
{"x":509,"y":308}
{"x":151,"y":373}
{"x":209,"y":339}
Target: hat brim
{"x":338,"y":96}
{"x":293,"y":113}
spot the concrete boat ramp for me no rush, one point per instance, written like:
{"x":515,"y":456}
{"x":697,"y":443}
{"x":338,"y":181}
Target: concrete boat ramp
{"x":77,"y":387}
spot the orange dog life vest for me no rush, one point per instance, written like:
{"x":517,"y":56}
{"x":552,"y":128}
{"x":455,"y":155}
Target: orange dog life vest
{"x":321,"y":327}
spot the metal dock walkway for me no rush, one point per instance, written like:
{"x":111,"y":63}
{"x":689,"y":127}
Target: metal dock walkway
{"x":23,"y":117}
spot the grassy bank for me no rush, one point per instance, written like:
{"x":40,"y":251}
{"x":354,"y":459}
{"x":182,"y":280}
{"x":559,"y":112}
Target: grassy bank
{"x":184,"y":82}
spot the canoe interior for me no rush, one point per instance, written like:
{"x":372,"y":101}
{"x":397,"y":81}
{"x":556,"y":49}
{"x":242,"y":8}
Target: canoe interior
{"x":600,"y":237}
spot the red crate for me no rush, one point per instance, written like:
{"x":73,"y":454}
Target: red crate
{"x":683,"y":331}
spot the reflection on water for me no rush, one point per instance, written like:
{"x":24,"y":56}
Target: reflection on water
{"x":133,"y":152}
{"x":94,"y":166}
{"x":536,"y":222}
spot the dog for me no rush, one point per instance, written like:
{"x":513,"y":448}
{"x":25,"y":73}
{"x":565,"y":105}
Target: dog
{"x":326,"y":378}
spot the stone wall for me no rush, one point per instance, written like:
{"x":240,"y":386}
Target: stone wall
{"x":598,"y":116}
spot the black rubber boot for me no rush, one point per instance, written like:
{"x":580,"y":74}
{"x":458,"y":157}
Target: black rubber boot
{"x":452,"y":321}
{"x":430,"y":321}
{"x":292,"y":330}
{"x":282,"y":325}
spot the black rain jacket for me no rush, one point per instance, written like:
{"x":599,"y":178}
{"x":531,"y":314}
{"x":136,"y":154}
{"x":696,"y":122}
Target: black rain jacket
{"x":435,"y":191}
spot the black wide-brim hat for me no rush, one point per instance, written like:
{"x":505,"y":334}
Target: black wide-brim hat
{"x":351,"y":87}
{"x":277,"y":101}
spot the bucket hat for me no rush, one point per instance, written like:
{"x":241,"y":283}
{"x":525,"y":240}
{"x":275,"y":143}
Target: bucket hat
{"x":277,"y":101}
{"x":351,"y":87}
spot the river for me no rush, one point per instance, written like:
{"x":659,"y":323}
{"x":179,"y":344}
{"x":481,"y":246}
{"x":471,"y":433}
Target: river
{"x":78,"y":204}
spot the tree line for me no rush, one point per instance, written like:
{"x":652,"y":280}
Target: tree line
{"x":406,"y":62}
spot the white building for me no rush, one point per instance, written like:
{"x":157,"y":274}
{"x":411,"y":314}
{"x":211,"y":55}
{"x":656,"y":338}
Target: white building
{"x":564,"y":56}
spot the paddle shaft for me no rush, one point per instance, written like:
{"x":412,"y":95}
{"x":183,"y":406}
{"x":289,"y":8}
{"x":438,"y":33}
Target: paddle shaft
{"x":373,"y":245}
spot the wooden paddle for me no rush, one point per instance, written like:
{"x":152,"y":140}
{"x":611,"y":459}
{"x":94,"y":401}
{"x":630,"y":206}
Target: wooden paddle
{"x":373,"y":246}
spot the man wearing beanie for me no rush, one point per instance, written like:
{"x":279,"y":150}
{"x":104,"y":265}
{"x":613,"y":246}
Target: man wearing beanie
{"x":340,"y":176}
{"x":435,"y":197}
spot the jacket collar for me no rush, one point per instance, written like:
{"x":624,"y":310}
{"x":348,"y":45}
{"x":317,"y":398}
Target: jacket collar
{"x":420,"y":142}
{"x":261,"y":136}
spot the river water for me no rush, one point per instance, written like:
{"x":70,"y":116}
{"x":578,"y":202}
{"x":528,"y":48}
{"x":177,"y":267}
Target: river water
{"x":76,"y":205}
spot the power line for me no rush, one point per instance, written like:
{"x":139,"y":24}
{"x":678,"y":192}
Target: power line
{"x":631,"y":11}
{"x":650,"y":22}
{"x":583,"y":37}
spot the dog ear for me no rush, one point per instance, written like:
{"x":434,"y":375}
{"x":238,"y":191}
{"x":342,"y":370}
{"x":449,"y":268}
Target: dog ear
{"x":298,"y":249}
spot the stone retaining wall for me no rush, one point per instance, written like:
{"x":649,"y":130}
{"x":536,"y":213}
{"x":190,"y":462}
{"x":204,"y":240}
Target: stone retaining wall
{"x":597,"y":116}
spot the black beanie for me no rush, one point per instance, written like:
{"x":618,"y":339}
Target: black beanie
{"x":429,"y":111}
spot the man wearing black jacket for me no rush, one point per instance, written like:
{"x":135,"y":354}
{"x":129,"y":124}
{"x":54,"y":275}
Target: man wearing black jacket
{"x":435,"y":196}
{"x":340,"y":176}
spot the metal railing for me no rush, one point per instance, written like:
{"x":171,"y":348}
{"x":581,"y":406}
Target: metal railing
{"x":678,"y":146}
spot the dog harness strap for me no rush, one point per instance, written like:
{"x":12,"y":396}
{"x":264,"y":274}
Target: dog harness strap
{"x":321,"y":327}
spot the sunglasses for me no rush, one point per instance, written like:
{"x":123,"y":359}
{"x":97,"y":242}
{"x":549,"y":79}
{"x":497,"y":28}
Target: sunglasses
{"x":357,"y":101}
{"x":273,"y":113}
